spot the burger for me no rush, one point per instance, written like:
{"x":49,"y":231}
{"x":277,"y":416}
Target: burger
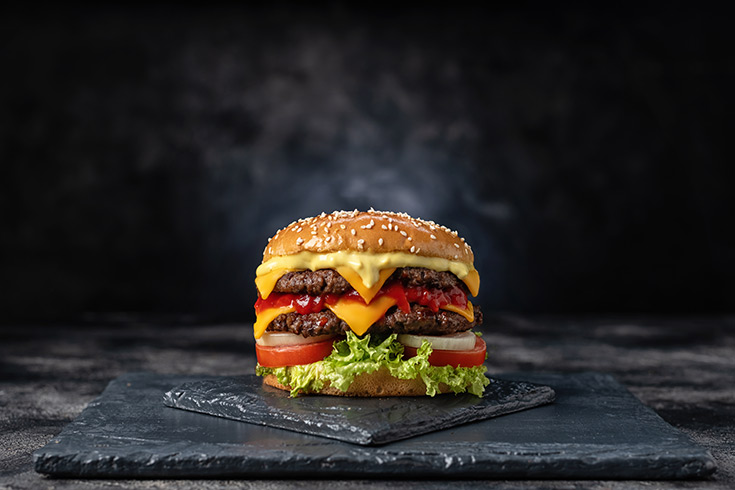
{"x":368,"y":304}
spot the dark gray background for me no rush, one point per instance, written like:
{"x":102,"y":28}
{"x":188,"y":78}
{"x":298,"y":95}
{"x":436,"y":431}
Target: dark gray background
{"x":148,"y":152}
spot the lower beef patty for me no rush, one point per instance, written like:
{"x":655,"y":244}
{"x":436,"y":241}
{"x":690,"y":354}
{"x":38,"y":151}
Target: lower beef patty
{"x":328,"y":281}
{"x":421,"y":320}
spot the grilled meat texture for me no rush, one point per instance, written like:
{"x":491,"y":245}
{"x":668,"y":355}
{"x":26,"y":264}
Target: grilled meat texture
{"x":421,"y":320}
{"x":328,"y":281}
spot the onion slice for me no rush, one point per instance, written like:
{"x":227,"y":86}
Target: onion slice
{"x":276,"y":339}
{"x":455,"y":341}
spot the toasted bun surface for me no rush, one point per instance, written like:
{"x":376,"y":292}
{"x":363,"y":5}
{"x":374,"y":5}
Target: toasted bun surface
{"x":377,"y":383}
{"x":368,"y":231}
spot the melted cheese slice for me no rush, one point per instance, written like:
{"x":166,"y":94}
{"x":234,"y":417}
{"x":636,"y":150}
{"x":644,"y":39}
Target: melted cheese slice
{"x":265,"y":317}
{"x":358,"y":316}
{"x":468,"y":313}
{"x":368,"y":267}
{"x":267,"y":281}
{"x":472,"y":280}
{"x":367,"y":293}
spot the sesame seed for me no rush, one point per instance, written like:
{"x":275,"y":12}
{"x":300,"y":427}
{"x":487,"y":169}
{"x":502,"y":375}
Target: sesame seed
{"x":456,"y":245}
{"x":384,"y":227}
{"x":456,"y":257}
{"x":313,"y":232}
{"x":410,"y":239}
{"x":342,"y":226}
{"x":299,"y":241}
{"x":353,"y":231}
{"x":380,"y":242}
{"x":418,"y":250}
{"x":390,"y":226}
{"x":360,"y":244}
{"x":433,"y":237}
{"x":403,"y":233}
{"x":413,"y":249}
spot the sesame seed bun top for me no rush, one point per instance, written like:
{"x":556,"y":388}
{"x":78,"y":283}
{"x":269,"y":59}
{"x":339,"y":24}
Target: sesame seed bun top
{"x":368,"y":231}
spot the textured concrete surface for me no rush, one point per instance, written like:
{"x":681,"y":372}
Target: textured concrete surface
{"x":682,"y":368}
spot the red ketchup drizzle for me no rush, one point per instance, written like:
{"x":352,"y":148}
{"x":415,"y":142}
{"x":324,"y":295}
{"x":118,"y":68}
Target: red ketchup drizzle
{"x":431,"y":298}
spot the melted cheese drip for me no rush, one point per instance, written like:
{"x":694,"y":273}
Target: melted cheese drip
{"x":267,"y":281}
{"x":358,"y":316}
{"x":468,"y":313}
{"x":265,"y":317}
{"x":367,"y":266}
{"x":367,"y":293}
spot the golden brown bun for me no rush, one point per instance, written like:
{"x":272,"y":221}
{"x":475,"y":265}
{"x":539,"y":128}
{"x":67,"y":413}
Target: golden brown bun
{"x":377,"y":383}
{"x":368,"y":231}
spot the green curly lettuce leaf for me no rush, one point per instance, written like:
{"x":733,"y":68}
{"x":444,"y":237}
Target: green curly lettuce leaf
{"x":357,"y":355}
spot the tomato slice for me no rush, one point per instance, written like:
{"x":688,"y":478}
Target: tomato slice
{"x":457,"y":358}
{"x":292,"y":355}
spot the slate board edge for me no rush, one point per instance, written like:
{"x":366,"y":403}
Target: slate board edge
{"x":494,"y":464}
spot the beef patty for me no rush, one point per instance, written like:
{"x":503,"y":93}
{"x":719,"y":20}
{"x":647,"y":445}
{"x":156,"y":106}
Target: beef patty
{"x":328,"y":281}
{"x":421,"y":320}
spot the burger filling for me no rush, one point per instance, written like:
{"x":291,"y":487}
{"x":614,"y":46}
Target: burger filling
{"x":329,"y":281}
{"x":419,"y":320}
{"x":407,"y":326}
{"x":345,"y":359}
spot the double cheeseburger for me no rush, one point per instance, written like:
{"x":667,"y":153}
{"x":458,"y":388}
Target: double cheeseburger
{"x":368,"y":304}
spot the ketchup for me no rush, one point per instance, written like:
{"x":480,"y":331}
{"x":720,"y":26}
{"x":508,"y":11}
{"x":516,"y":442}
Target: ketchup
{"x":304,"y":304}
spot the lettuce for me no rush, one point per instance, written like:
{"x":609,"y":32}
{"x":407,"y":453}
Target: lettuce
{"x":357,"y":355}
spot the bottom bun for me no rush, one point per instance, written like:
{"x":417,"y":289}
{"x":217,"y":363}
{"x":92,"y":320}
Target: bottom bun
{"x":377,"y":383}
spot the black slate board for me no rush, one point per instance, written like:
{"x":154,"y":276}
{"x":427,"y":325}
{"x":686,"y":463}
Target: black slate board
{"x":366,"y":421}
{"x":595,"y":429}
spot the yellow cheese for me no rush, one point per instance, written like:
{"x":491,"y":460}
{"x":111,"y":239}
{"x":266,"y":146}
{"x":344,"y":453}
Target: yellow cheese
{"x":367,"y":266}
{"x":468,"y":313}
{"x":265,"y":317}
{"x":472,"y":280}
{"x":367,"y":293}
{"x":267,"y":282}
{"x":355,"y":314}
{"x":359,"y":316}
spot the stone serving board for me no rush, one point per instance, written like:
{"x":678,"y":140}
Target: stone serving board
{"x":366,"y":421}
{"x":594,"y":430}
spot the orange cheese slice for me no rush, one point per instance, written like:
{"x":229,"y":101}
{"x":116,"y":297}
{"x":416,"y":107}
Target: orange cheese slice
{"x":267,"y":282}
{"x":468,"y":313}
{"x":265,"y":317}
{"x":367,"y":293}
{"x":472,"y":280}
{"x":355,"y":314}
{"x":358,"y":316}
